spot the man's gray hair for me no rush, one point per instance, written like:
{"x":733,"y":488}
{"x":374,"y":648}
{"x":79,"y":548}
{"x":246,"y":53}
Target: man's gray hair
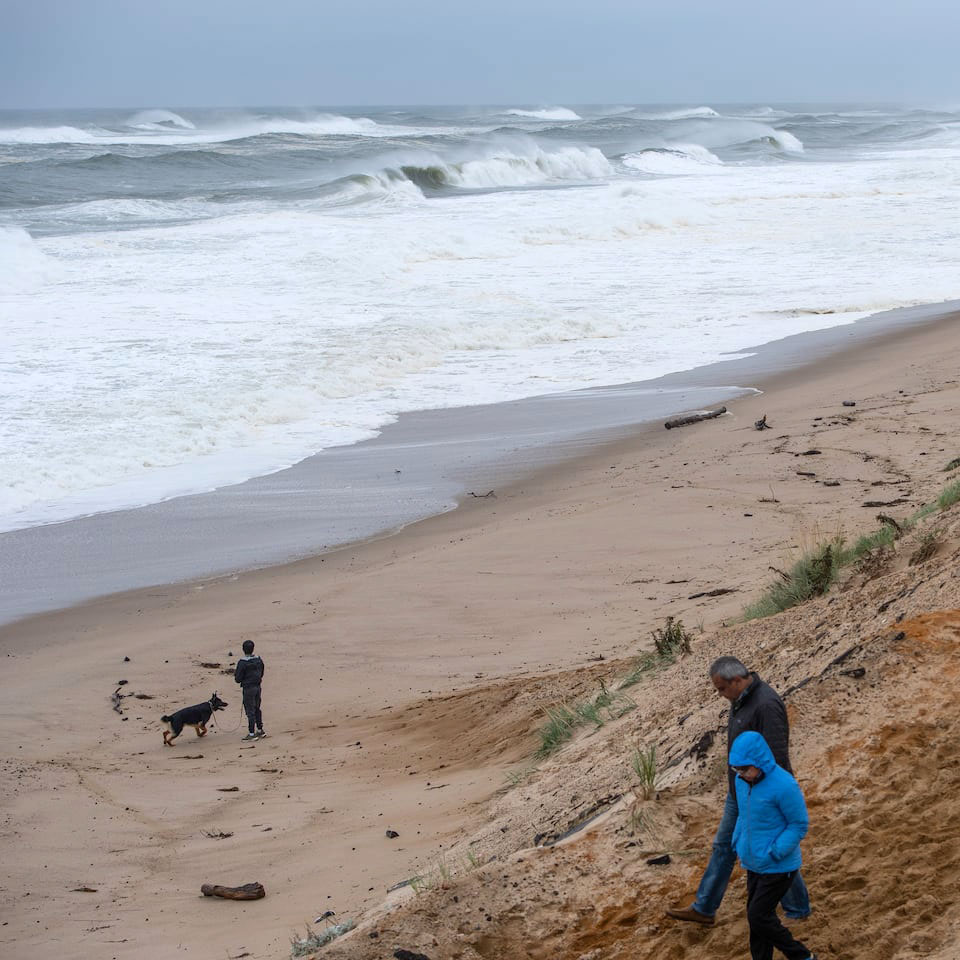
{"x":729,"y":668}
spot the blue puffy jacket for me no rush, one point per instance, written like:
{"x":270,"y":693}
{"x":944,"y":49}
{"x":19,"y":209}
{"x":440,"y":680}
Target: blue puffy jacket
{"x":772,"y":816}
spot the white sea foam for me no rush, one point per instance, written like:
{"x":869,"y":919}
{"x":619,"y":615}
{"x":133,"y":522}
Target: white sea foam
{"x":48,"y":135}
{"x":540,"y":166}
{"x":147,"y":362}
{"x":685,"y":113}
{"x":547,"y":113}
{"x":23,"y":266}
{"x":679,"y":160}
{"x":155,"y":133}
{"x":154,"y":119}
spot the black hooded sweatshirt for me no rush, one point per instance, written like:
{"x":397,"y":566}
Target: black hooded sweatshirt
{"x":249,"y":671}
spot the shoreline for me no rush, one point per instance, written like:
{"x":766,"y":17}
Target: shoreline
{"x":375,"y":651}
{"x":346,"y":496}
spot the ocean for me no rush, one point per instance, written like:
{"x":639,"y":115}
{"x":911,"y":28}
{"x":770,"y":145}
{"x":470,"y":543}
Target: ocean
{"x":192,"y":298}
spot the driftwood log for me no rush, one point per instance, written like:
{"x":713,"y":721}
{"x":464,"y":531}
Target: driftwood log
{"x":249,"y":891}
{"x":695,"y":418}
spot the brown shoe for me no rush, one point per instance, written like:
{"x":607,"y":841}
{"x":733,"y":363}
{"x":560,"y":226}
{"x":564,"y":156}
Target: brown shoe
{"x":694,"y":916}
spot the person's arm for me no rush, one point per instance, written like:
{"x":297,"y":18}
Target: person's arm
{"x":239,"y":672}
{"x":794,"y":811}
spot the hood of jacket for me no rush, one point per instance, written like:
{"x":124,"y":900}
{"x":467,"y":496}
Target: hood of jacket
{"x":750,"y":749}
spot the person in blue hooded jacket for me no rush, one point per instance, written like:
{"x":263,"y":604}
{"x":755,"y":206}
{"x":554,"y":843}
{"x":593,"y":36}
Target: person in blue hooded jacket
{"x":771,"y":822}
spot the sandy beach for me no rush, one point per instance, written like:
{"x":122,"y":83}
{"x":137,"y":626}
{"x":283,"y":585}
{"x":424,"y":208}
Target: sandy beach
{"x":407,"y":676}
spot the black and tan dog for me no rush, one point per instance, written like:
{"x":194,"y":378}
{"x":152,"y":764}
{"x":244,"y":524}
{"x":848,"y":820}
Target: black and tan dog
{"x":196,"y":716}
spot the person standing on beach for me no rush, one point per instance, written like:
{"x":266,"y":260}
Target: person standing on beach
{"x":771,"y":823}
{"x":249,"y":674}
{"x":754,"y":706}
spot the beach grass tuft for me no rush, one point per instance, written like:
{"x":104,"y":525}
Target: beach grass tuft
{"x":949,"y":496}
{"x":810,"y":576}
{"x":563,"y":720}
{"x":814,"y":573}
{"x":643,"y":761}
{"x":671,"y":640}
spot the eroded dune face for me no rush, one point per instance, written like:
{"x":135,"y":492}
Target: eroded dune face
{"x":876,"y":725}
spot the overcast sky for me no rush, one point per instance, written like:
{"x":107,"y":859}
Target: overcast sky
{"x":170,"y":53}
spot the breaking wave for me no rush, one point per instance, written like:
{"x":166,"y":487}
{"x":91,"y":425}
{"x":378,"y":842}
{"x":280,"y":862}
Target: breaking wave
{"x":169,"y":129}
{"x":548,"y":113}
{"x":154,"y":119}
{"x":677,"y":160}
{"x":686,"y":113}
{"x":23,"y":265}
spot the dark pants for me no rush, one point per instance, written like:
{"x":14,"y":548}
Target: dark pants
{"x":251,"y":706}
{"x":764,"y":891}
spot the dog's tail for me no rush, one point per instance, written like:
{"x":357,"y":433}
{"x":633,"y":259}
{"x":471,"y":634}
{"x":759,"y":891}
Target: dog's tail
{"x":164,"y":719}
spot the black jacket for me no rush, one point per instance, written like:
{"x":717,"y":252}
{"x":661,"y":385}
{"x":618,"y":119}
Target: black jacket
{"x":761,"y":709}
{"x":249,"y":672}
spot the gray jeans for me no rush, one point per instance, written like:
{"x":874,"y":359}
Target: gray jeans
{"x":251,"y":706}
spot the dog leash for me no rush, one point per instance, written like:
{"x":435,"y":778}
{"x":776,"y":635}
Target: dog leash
{"x":213,"y":717}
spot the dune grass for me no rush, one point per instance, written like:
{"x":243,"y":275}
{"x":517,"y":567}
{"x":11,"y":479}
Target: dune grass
{"x":817,"y":569}
{"x":671,"y":642}
{"x":643,"y":761}
{"x":949,"y":496}
{"x":564,"y":719}
{"x":810,"y":576}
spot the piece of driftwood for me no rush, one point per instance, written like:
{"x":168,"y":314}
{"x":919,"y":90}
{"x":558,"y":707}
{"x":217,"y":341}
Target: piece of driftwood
{"x":849,"y":403}
{"x":249,"y":891}
{"x":884,"y":503}
{"x":695,"y":418}
{"x":719,"y":592}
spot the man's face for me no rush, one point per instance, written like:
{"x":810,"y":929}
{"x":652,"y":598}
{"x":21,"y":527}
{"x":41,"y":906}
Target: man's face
{"x":750,"y":774}
{"x":731,"y":689}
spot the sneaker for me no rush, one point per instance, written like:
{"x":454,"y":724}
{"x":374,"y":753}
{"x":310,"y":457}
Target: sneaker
{"x":250,"y":736}
{"x":692,"y":915}
{"x":260,"y":734}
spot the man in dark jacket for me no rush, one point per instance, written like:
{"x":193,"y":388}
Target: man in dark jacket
{"x":249,"y":674}
{"x":753,"y":706}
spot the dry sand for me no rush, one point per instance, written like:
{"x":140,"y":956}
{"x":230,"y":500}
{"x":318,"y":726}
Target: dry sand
{"x":406,"y":678}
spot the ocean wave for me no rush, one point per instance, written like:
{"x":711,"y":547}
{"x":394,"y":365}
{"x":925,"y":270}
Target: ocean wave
{"x":730,"y":132}
{"x":158,"y":120}
{"x":23,"y":265}
{"x":108,"y":213}
{"x":686,"y":113}
{"x":547,"y":113}
{"x":512,"y":170}
{"x":677,"y":160}
{"x":48,"y":135}
{"x":155,"y":134}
